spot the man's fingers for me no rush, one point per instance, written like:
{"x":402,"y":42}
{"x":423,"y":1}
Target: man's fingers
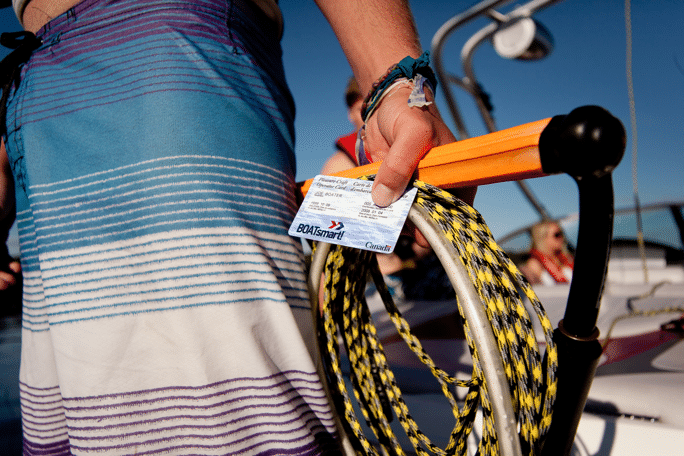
{"x":388,"y":187}
{"x":8,"y":275}
{"x":411,"y":231}
{"x":7,"y":280}
{"x":410,"y":145}
{"x":15,"y":267}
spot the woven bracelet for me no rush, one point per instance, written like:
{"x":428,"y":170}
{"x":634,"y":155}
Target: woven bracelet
{"x":408,"y":68}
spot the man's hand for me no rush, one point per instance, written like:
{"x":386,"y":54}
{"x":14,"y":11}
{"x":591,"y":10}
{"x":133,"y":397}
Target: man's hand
{"x":9,"y":270}
{"x":400,"y":136}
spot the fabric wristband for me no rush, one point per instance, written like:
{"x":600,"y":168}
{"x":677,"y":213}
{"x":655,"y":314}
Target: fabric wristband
{"x":408,"y":68}
{"x":408,"y":71}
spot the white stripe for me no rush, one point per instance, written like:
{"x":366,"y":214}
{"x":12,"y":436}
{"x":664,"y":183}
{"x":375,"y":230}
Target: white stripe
{"x":186,"y":294}
{"x":188,"y":267}
{"x":127,"y":215}
{"x":169,"y":282}
{"x":195,"y":236}
{"x":278,"y":189}
{"x":120,"y":196}
{"x":201,"y":160}
{"x":102,"y":276}
{"x":188,"y":221}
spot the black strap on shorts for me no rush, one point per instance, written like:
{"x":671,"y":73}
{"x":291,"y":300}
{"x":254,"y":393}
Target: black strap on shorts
{"x":23,"y":43}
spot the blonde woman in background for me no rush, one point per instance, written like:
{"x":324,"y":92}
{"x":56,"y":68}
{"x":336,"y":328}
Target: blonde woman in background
{"x":550,"y":261}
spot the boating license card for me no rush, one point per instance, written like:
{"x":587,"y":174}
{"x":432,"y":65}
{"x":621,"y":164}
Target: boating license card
{"x":340,"y":211}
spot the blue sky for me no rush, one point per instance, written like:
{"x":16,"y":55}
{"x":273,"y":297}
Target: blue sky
{"x":587,"y":66}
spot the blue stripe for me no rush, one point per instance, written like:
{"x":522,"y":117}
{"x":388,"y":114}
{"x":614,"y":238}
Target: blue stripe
{"x":231,"y":163}
{"x":106,"y":249}
{"x":179,"y":267}
{"x":54,"y":296}
{"x":282,"y":284}
{"x":58,"y":225}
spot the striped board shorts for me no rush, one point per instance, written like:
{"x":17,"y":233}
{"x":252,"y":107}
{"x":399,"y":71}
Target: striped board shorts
{"x":165,"y":308}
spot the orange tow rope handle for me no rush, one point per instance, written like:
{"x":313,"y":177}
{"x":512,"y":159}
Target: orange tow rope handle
{"x":505,"y":155}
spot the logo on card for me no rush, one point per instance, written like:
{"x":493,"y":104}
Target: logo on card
{"x":336,"y":225}
{"x":333,"y":232}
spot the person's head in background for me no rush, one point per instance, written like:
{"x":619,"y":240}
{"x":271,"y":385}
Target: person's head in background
{"x":354,"y":100}
{"x":548,"y":238}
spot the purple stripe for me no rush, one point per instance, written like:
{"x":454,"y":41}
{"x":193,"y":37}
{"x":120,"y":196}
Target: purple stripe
{"x":128,"y":98}
{"x":252,"y":436}
{"x":56,"y":448}
{"x":50,"y":81}
{"x":138,"y":28}
{"x":239,"y":394}
{"x":109,"y":37}
{"x":46,"y":435}
{"x":27,"y":400}
{"x":294,"y":419}
{"x":324,"y":418}
{"x":322,"y":407}
{"x":59,"y":76}
{"x":126,"y":82}
{"x":312,"y":381}
{"x":137,"y":11}
{"x":113,"y":11}
{"x":173,"y":86}
{"x":212,"y":30}
{"x":156,"y":80}
{"x":316,"y":425}
{"x":39,"y":396}
{"x":306,"y":377}
{"x":137,"y":16}
{"x":113,"y":50}
{"x":39,"y":389}
{"x":60,"y":408}
{"x":27,"y":422}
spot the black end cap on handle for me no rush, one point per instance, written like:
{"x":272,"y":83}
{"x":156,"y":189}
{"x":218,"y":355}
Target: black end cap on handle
{"x":589,"y":141}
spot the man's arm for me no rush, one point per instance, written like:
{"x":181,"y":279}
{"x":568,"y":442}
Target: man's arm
{"x":8,"y":267}
{"x":374,"y":35}
{"x":337,"y":162}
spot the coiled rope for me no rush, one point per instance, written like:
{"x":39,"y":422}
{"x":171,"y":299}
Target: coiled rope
{"x":531,"y":376}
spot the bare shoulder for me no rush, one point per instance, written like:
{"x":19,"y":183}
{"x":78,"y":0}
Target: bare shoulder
{"x":39,"y":12}
{"x":532,"y":270}
{"x":339,"y":161}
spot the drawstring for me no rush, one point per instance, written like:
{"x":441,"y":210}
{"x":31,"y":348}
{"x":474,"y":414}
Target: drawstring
{"x":23,"y":43}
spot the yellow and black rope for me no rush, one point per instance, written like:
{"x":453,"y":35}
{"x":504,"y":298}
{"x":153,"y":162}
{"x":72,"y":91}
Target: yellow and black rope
{"x":499,"y":284}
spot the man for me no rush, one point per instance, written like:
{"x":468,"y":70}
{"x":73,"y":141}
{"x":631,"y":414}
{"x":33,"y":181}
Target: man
{"x":151,"y":150}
